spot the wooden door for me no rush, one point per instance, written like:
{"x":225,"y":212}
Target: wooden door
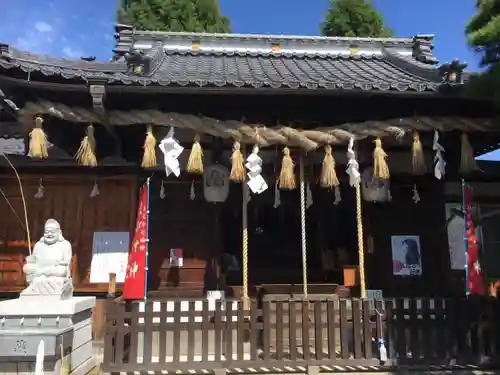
{"x":177,"y":221}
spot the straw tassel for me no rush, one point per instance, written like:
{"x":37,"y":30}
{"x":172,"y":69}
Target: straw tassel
{"x":237,"y":168}
{"x":149,"y":156}
{"x":467,"y":161}
{"x":287,"y":175}
{"x":328,"y":175}
{"x":418,"y":159}
{"x":38,"y":141}
{"x":195,"y":161}
{"x":86,"y":152}
{"x":380,"y":167}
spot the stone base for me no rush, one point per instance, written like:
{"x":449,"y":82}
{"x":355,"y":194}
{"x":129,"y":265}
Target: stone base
{"x":25,"y":322}
{"x":52,"y":367}
{"x":44,"y":306}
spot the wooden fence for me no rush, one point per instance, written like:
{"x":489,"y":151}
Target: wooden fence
{"x":289,"y":332}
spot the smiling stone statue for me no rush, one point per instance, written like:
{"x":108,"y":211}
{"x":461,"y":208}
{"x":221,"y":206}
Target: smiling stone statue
{"x":47,"y":270}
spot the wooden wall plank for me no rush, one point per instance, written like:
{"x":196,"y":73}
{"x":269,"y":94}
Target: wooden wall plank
{"x":66,"y":199}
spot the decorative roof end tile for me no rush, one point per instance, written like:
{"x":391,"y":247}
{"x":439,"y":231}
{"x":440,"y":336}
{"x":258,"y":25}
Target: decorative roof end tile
{"x":5,"y":52}
{"x":422,"y":49}
{"x":138,"y":62}
{"x":124,"y":36}
{"x":453,"y":72}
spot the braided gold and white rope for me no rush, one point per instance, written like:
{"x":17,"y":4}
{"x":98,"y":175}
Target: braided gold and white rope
{"x":303,"y":225}
{"x":253,"y":134}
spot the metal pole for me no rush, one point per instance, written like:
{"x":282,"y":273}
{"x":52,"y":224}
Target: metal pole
{"x":303,"y":225}
{"x":146,"y":271}
{"x":466,"y":265}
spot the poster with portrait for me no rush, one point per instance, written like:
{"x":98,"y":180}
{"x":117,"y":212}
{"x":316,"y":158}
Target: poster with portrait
{"x":406,"y":255}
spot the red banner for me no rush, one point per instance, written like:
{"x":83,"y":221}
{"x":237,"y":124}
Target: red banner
{"x":475,"y":282}
{"x":135,"y":278}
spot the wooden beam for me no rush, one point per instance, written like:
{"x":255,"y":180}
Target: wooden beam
{"x":97,"y":90}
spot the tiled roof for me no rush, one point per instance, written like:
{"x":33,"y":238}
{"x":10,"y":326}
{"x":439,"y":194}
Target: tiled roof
{"x":189,"y":59}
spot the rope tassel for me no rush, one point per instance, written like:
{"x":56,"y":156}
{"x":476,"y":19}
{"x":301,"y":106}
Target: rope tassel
{"x":287,"y":174}
{"x":38,"y":141}
{"x":195,"y":161}
{"x":86,"y":152}
{"x":237,"y":168}
{"x":328,"y":175}
{"x":418,"y":159}
{"x":149,"y":156}
{"x":467,"y":161}
{"x":380,"y":167}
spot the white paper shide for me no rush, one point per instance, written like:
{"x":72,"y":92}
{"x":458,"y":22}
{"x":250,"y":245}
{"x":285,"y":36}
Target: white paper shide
{"x":352,"y":165}
{"x":171,"y":150}
{"x":439,"y":162}
{"x":256,"y":182}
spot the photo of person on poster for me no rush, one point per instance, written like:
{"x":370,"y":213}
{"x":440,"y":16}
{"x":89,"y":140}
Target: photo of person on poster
{"x":406,"y":256}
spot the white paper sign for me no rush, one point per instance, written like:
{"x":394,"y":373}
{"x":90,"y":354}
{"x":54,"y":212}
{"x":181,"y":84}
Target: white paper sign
{"x":176,"y":258}
{"x":109,"y":254}
{"x":374,"y":295}
{"x":213,"y":296}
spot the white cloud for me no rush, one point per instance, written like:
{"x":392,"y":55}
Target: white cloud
{"x":43,"y":27}
{"x":72,"y":53}
{"x":33,"y":40}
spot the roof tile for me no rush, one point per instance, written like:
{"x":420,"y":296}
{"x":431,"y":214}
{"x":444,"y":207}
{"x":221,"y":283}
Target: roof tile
{"x":308,"y":67}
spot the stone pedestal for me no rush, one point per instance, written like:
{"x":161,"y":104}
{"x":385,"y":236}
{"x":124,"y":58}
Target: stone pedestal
{"x":27,"y":320}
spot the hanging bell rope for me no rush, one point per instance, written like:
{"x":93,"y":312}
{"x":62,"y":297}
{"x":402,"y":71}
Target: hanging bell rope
{"x":468,"y":162}
{"x":418,"y":159}
{"x":361,"y":246}
{"x":149,"y":156}
{"x":86,"y":152}
{"x":287,"y":174}
{"x":380,"y":167}
{"x":237,"y":169}
{"x":195,"y":161}
{"x":38,"y":141}
{"x":328,"y":174}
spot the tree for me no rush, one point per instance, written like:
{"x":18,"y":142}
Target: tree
{"x":174,"y":15}
{"x":354,"y":18}
{"x":483,"y":35}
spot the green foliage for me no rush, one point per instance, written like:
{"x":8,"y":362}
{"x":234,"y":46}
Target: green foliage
{"x":483,"y":35}
{"x":175,"y":15}
{"x":483,"y":31}
{"x":354,"y":18}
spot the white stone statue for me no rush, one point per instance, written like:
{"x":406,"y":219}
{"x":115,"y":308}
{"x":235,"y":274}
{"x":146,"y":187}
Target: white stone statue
{"x":47,"y":270}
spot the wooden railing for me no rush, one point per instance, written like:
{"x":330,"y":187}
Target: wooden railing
{"x":283,"y":332}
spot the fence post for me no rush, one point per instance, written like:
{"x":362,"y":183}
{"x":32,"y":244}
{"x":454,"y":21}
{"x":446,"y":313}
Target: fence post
{"x":109,"y":338}
{"x":112,"y":285}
